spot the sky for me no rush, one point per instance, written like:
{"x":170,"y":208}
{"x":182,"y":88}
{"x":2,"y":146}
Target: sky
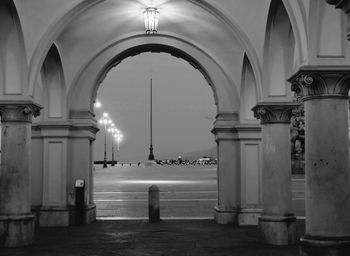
{"x":183,"y":107}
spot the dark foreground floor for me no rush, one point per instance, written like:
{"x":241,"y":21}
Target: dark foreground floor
{"x":139,"y":238}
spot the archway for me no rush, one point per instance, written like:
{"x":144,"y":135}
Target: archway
{"x":83,"y":80}
{"x":82,"y":95}
{"x":182,"y":105}
{"x":154,"y":48}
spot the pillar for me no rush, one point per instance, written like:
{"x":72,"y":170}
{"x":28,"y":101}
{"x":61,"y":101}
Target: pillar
{"x":80,"y":160}
{"x":51,"y":151}
{"x":277,"y":222}
{"x":228,"y":181}
{"x":324,"y":91}
{"x":16,"y":220}
{"x":249,"y":136}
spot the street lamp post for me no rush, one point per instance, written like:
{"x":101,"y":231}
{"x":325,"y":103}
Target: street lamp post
{"x":112,"y":163}
{"x":118,"y":137}
{"x":105,"y":120}
{"x":151,"y":155}
{"x":112,"y":130}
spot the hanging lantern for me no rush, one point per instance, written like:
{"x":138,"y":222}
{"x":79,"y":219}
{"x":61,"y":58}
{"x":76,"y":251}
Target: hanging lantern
{"x":151,"y":16}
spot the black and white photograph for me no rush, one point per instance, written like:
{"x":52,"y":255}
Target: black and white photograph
{"x":174,"y":127}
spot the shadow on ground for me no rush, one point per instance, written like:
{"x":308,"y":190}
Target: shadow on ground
{"x":139,"y":238}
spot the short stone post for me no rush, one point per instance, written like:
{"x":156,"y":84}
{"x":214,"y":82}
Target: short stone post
{"x":153,"y":204}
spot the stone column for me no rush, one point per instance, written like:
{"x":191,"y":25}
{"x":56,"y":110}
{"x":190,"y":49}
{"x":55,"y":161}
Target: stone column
{"x":228,"y":205}
{"x":277,"y":221}
{"x":16,"y":220}
{"x":327,"y":196}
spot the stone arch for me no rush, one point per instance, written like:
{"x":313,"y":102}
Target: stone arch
{"x":13,"y":62}
{"x":224,"y":89}
{"x":53,"y":86}
{"x":82,"y":92}
{"x":56,"y":28}
{"x":248,"y":94}
{"x":279,"y":53}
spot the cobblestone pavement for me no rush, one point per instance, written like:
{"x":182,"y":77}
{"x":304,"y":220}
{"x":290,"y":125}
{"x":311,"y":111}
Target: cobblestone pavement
{"x":139,"y":238}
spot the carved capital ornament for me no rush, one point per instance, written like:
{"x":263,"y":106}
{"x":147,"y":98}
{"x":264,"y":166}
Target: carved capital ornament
{"x":316,"y":83}
{"x":270,"y":113}
{"x":19,"y":112}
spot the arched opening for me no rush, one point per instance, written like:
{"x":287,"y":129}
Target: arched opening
{"x":155,"y":48}
{"x":183,"y":115}
{"x":71,"y":141}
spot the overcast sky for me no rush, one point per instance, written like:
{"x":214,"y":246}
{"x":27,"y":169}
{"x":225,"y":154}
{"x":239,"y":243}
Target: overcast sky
{"x":183,"y":106}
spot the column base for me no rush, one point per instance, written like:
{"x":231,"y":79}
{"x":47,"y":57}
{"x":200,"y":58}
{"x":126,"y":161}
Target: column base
{"x":278,"y":230}
{"x":52,"y":216}
{"x":90,"y":213}
{"x":226,"y":216}
{"x":17,"y":230}
{"x":249,"y":216}
{"x":62,"y":216}
{"x":324,"y":246}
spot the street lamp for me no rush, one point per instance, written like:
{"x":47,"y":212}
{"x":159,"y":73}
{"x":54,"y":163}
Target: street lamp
{"x":97,"y":104}
{"x":151,"y":155}
{"x":112,"y":130}
{"x":151,"y":17}
{"x":118,"y":136}
{"x":105,"y":120}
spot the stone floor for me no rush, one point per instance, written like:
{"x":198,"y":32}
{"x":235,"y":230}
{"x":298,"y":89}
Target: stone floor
{"x":139,"y":238}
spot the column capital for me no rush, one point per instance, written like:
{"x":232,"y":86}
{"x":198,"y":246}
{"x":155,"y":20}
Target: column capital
{"x":321,"y":82}
{"x":19,"y":111}
{"x":275,"y":112}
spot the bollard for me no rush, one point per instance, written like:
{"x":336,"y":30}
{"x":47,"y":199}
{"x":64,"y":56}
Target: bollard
{"x":79,"y":202}
{"x":153,"y":204}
